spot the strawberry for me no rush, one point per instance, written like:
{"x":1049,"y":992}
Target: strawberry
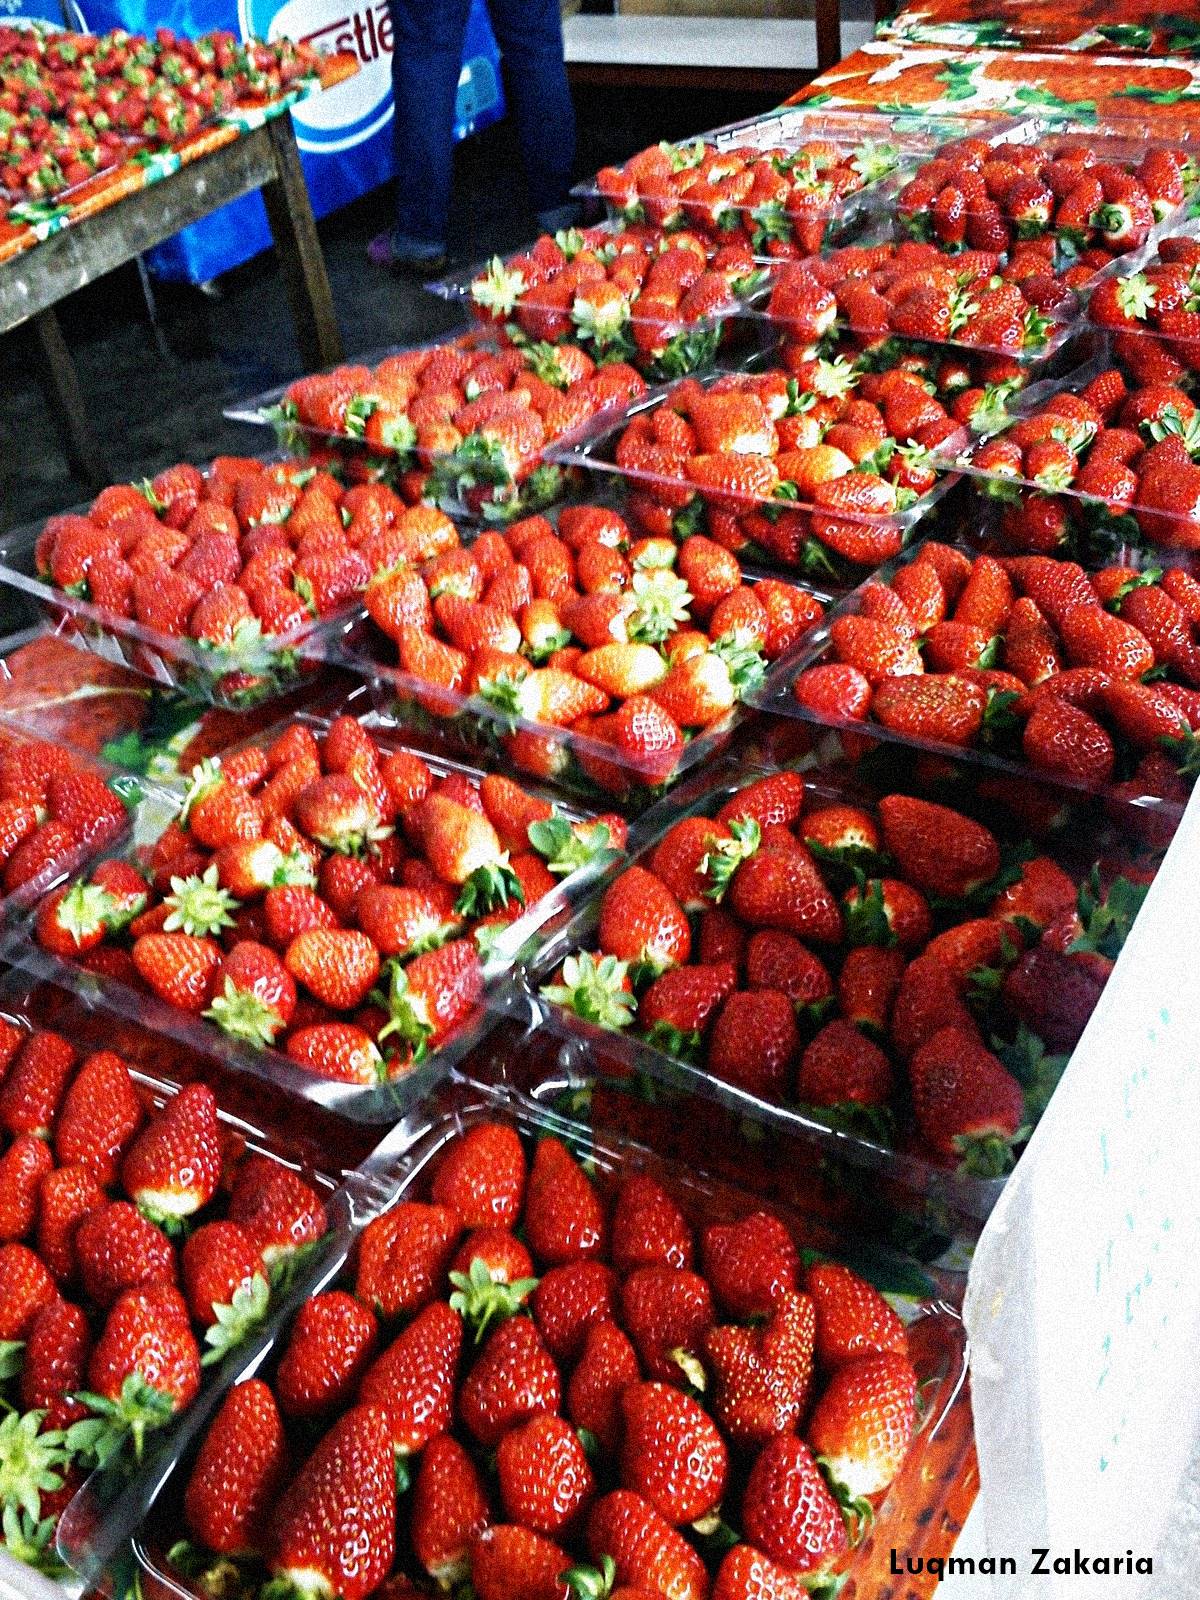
{"x":37,"y":858}
{"x":545,"y":1480}
{"x":1068,"y":743}
{"x":22,"y":1167}
{"x":853,"y":1318}
{"x":874,"y":648}
{"x":939,"y":850}
{"x":788,"y":1512}
{"x":292,"y":910}
{"x":336,"y":813}
{"x":238,"y":1473}
{"x":647,"y":1555}
{"x":514,"y":1563}
{"x":336,"y":965}
{"x":513,"y":1380}
{"x":334,"y":1531}
{"x":749,"y":1264}
{"x":1093,"y":637}
{"x":648,"y":1228}
{"x":412,"y":1382}
{"x":569,"y":1300}
{"x":606,"y":1366}
{"x":762,"y":1376}
{"x":55,"y":1361}
{"x":667,"y":1313}
{"x":777,"y":960}
{"x":68,"y":1194}
{"x":841,"y":1067}
{"x":464,"y":849}
{"x":73,"y":920}
{"x":26,"y":1287}
{"x":482,"y":1177}
{"x":564,"y":1217}
{"x":403,"y":1256}
{"x":755,"y":1042}
{"x":678,"y":1006}
{"x":35,"y":1085}
{"x":256,"y":995}
{"x":337,"y":1051}
{"x":862,"y":1425}
{"x":224,"y":1279}
{"x":967,"y":1105}
{"x":942,"y":707}
{"x":117,"y":1248}
{"x":835,"y":691}
{"x":332,"y":1340}
{"x":174,"y":1165}
{"x":781,"y":890}
{"x":672,"y":1455}
{"x":434,"y":994}
{"x":145,"y":1367}
{"x":180,"y":968}
{"x":449,"y":1508}
{"x":747,"y":1574}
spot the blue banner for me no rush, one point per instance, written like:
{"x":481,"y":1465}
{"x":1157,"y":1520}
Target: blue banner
{"x":344,"y":133}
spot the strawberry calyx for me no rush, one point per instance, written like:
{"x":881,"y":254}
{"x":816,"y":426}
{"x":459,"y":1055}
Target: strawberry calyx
{"x":404,"y":1022}
{"x":1145,"y":579}
{"x":206,"y":778}
{"x":989,"y":1155}
{"x":1108,"y":918}
{"x":500,"y":288}
{"x":1184,"y":751}
{"x":138,"y":1409}
{"x":874,"y":159}
{"x":857,"y":1510}
{"x":246,"y":650}
{"x":489,"y":888}
{"x":84,"y":910}
{"x":744,"y":662}
{"x":688,"y":352}
{"x":865,"y":920}
{"x":720,"y":863}
{"x":1170,"y":424}
{"x":216,"y":1577}
{"x":237,"y":1320}
{"x":567,"y":847}
{"x":244,"y":1015}
{"x":357,"y":412}
{"x":595,"y":990}
{"x":32,"y":1463}
{"x":874,"y":1123}
{"x":1036,"y":1070}
{"x":482,"y":1300}
{"x":592,"y":1583}
{"x":199,"y":906}
{"x":684,"y":1043}
{"x":399,"y":435}
{"x":31,"y":1541}
{"x":661,"y":601}
{"x":12,"y":1358}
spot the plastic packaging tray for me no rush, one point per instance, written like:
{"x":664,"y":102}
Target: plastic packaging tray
{"x":363,"y":460}
{"x":371,"y":1104}
{"x":595,"y":451}
{"x":1094,"y":536}
{"x":893,"y":146}
{"x":172,"y":662}
{"x":774,"y":695}
{"x":914,"y":1510}
{"x":914,"y":1182}
{"x":248,"y":1126}
{"x":660,"y":348}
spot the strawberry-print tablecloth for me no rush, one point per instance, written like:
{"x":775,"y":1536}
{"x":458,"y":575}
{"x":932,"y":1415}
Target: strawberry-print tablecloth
{"x":1141,"y":27}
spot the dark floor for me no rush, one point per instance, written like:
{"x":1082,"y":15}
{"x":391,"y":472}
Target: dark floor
{"x":157,"y":406}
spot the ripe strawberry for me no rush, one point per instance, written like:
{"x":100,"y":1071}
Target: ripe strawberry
{"x":667,"y":1313}
{"x":22,"y":1167}
{"x":145,"y":1367}
{"x":55,"y":1361}
{"x":648,"y":1555}
{"x":434,"y":994}
{"x":648,"y":1228}
{"x":1093,"y":637}
{"x":336,"y":965}
{"x":225,"y":1282}
{"x":335,"y":1528}
{"x":678,"y":1006}
{"x":606,"y":1366}
{"x":117,"y":1248}
{"x":747,"y":1574}
{"x":762,"y":1376}
{"x":332,"y":1340}
{"x":755,"y":1042}
{"x":35,"y":1085}
{"x":862,"y":1425}
{"x":1068,"y":743}
{"x":672,"y":1455}
{"x":403,"y":1256}
{"x":449,"y":1508}
{"x":569,"y":1301}
{"x":841,"y":1067}
{"x":781,"y":890}
{"x":514,"y":1563}
{"x":68,"y":1194}
{"x":939,"y":850}
{"x":180,"y":968}
{"x":564,"y":1217}
{"x":788,"y":1512}
{"x":174,"y":1166}
{"x":749,"y":1264}
{"x":853,"y":1318}
{"x":334,"y":811}
{"x":513,"y":1380}
{"x":338,"y":1051}
{"x":26,"y":1287}
{"x":777,"y":960}
{"x":545,"y":1480}
{"x":292,"y":910}
{"x":73,"y":920}
{"x":967,"y":1105}
{"x":238,"y":1473}
{"x":482,"y":1176}
{"x":412,"y":1382}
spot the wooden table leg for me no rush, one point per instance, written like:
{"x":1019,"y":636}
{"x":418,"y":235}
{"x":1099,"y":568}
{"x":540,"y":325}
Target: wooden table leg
{"x":300,"y":259}
{"x":82,"y":447}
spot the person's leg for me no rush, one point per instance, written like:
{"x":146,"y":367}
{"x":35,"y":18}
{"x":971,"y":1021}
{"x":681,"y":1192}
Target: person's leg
{"x":529,"y":33}
{"x":426,"y":63}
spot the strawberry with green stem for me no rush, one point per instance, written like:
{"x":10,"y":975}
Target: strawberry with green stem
{"x":596,"y":989}
{"x":199,"y":906}
{"x":32,"y":1463}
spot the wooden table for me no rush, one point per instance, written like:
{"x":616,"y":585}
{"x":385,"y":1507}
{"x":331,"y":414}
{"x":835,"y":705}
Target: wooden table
{"x":33,"y":282}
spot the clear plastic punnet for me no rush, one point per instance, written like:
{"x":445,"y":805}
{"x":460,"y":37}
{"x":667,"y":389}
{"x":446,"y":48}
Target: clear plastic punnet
{"x":574,"y":989}
{"x":970,"y":689}
{"x":787,"y":183}
{"x":575,"y":853}
{"x":916,"y":1511}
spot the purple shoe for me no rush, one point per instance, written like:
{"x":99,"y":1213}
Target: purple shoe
{"x":412,"y":258}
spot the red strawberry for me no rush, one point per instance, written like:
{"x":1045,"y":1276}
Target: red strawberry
{"x":335,"y":1528}
{"x":482,"y":1176}
{"x":755,"y":1042}
{"x":403,"y":1256}
{"x":862,"y":1425}
{"x":545,"y":1480}
{"x":640,"y":920}
{"x":276,"y":1207}
{"x":22,"y":1167}
{"x":145,"y":1366}
{"x":332,"y":1339}
{"x":449,"y":1508}
{"x":55,"y":1361}
{"x":25,"y":1288}
{"x":672,"y":1454}
{"x":749,"y":1263}
{"x":412,"y":1382}
{"x":781,"y":890}
{"x":967,"y":1105}
{"x":788,"y":1512}
{"x":607,"y":1365}
{"x":569,"y":1301}
{"x":225,"y":1281}
{"x":431,"y":996}
{"x":747,"y":1574}
{"x":938,"y":849}
{"x":100,"y":1115}
{"x":841,"y":1067}
{"x":174,"y":1165}
{"x":180,"y":968}
{"x":648,"y":1228}
{"x":678,"y":1007}
{"x":336,"y":965}
{"x":513,"y":1380}
{"x":68,"y":1194}
{"x":35,"y":1084}
{"x":513,"y":1563}
{"x":762,"y":1377}
{"x":238,"y":1473}
{"x":853,"y":1318}
{"x":117,"y":1248}
{"x":564,"y":1218}
{"x":648,"y":1555}
{"x":1068,"y":743}
{"x":667,"y":1313}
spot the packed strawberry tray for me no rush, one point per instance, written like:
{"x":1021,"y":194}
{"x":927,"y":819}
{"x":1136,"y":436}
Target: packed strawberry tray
{"x":462,"y":423}
{"x":786,"y":184}
{"x":666,"y":301}
{"x":327,"y":907}
{"x":151,"y":1227}
{"x":1148,"y":311}
{"x":827,"y":954}
{"x":755,"y":459}
{"x":1072,"y":200}
{"x":1025,"y":663}
{"x":545,"y":1340}
{"x":590,"y":652}
{"x":1102,"y":465}
{"x":206,"y":581}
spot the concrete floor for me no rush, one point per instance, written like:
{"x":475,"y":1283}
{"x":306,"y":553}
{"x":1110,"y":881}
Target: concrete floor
{"x":154,"y":408}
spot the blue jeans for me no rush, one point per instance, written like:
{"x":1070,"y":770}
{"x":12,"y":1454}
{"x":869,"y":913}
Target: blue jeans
{"x":426,"y":63}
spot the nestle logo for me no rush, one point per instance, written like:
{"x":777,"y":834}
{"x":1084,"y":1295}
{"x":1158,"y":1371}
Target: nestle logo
{"x":367,"y":33}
